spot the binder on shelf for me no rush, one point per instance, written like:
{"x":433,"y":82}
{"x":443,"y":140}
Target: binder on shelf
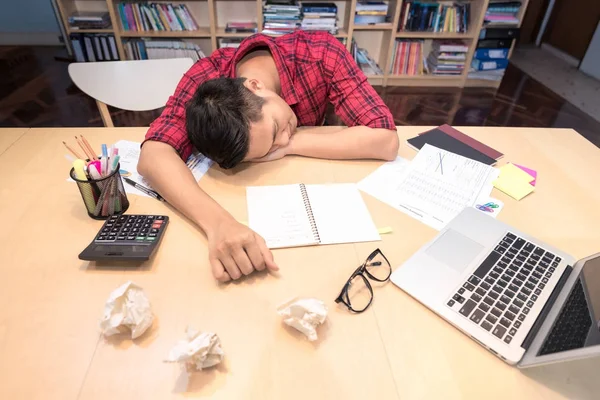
{"x":490,"y":54}
{"x":499,"y":33}
{"x":488,"y":65}
{"x":494,"y":44}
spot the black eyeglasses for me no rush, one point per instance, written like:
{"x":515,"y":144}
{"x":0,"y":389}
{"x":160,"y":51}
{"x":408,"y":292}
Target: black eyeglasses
{"x":357,"y":293}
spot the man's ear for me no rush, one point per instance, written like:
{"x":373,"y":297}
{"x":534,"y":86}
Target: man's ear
{"x":254,"y":85}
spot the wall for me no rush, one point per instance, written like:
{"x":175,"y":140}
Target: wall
{"x":28,"y":22}
{"x":591,"y":62}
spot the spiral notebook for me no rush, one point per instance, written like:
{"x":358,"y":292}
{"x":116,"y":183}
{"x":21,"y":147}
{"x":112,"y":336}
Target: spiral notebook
{"x":305,"y":215}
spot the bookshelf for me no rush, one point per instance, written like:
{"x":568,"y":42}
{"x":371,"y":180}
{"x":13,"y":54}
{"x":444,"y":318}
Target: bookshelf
{"x":212,"y":15}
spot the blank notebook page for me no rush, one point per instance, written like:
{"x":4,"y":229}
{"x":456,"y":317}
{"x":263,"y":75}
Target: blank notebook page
{"x":279,"y":215}
{"x":340,"y":214}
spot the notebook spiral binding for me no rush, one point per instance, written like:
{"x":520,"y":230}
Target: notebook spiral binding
{"x":311,"y":217}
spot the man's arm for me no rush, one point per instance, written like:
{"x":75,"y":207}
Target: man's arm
{"x":357,"y":142}
{"x":234,"y":249}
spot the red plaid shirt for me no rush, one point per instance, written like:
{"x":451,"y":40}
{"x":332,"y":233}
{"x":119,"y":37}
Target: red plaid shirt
{"x":314,"y":68}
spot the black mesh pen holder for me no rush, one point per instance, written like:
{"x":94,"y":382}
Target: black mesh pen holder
{"x":103,"y":197}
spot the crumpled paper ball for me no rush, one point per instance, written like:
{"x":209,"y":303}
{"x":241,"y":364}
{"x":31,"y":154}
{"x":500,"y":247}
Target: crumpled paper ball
{"x":304,"y":314}
{"x":200,"y":350}
{"x":127,"y":309}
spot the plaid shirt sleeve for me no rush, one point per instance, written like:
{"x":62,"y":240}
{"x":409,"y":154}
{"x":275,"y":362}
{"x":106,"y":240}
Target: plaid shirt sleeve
{"x":353,"y":97}
{"x":170,"y":126}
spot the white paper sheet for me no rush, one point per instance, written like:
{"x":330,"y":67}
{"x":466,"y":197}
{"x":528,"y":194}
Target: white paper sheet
{"x":130,"y":154}
{"x":434,"y":187}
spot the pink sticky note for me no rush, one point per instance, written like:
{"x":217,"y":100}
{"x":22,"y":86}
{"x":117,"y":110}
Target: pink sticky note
{"x":530,"y":171}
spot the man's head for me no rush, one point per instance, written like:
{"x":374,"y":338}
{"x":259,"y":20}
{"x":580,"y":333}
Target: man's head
{"x":231,"y":120}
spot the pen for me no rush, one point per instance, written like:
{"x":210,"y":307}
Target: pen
{"x":144,"y":189}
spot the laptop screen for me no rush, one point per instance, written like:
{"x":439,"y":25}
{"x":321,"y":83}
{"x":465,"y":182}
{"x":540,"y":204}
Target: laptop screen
{"x":578,"y":323}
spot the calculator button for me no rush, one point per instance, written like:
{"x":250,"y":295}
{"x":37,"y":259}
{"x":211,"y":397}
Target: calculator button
{"x":141,"y":234}
{"x":113,"y":218}
{"x":155,"y":226}
{"x":101,"y":238}
{"x":109,"y":225}
{"x":160,"y":217}
{"x":146,"y":225}
{"x":144,"y":230}
{"x":125,"y":230}
{"x":152,"y":235}
{"x":122,"y":218}
{"x":150,"y":239}
{"x":111,"y":238}
{"x":140,"y":239}
{"x":154,"y":231}
{"x":137,"y":225}
{"x":150,"y":217}
{"x":103,"y":233}
{"x":130,"y":237}
{"x":112,"y":234}
{"x":119,"y":225}
{"x":120,"y":237}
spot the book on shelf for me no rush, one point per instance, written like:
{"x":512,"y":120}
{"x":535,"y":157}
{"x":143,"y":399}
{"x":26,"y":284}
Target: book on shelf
{"x":365,"y":62}
{"x":435,"y":17}
{"x":153,"y":49}
{"x":230,"y":42}
{"x":408,"y":58}
{"x":447,"y":58}
{"x":499,"y":33}
{"x":161,"y":17}
{"x":502,"y":13}
{"x":371,"y":13}
{"x":89,"y":20}
{"x":241,"y":27}
{"x":319,"y":17}
{"x":94,"y":47}
{"x":281,"y":16}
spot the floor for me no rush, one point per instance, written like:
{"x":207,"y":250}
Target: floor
{"x":35,"y":91}
{"x":567,"y":81}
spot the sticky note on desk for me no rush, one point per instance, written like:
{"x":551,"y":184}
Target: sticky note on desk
{"x":513,"y":173}
{"x":514,"y":181}
{"x":531,"y":172}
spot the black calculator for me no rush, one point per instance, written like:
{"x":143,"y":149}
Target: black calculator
{"x":126,"y":238}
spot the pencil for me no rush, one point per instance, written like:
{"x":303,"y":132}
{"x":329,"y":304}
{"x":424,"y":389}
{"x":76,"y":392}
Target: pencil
{"x":90,"y":148}
{"x":73,"y":151}
{"x":85,"y":150}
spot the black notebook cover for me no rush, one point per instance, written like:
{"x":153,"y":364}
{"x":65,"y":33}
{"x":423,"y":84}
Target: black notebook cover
{"x":442,"y":141}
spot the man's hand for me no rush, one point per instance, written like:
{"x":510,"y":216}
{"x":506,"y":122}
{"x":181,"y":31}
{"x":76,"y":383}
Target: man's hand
{"x":235,"y":250}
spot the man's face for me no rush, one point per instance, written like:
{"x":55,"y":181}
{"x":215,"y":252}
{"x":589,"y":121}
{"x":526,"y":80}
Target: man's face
{"x":274,"y":130}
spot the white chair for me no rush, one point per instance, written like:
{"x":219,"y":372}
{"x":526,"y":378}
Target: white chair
{"x":141,"y":85}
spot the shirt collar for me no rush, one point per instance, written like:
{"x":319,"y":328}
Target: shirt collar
{"x":288,"y":93}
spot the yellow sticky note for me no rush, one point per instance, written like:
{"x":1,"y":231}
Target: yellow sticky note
{"x":515,"y":188}
{"x":384,"y":230}
{"x":512,"y":172}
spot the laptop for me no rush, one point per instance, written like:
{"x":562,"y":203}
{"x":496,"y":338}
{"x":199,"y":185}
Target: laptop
{"x":525,"y":301}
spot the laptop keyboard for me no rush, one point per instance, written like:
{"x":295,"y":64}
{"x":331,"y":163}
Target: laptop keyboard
{"x":500,"y":293}
{"x":572,"y":325}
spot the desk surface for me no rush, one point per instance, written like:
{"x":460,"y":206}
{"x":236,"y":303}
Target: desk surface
{"x":8,"y":136}
{"x":50,"y":346}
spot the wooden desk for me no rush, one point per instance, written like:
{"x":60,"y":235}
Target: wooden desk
{"x":50,"y":346}
{"x":8,"y":136}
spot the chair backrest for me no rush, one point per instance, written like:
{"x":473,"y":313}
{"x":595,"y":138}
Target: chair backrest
{"x":140,"y":85}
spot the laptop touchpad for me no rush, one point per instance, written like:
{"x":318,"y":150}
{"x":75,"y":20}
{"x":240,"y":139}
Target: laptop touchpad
{"x":455,"y":250}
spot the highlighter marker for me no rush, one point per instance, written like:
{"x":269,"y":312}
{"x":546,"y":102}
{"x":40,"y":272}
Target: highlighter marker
{"x":86,"y":190}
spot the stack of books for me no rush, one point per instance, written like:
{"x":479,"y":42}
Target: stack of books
{"x":408,"y":58}
{"x":89,"y":20}
{"x":371,"y":13}
{"x":435,"y":17}
{"x":143,"y":17}
{"x":94,"y":48}
{"x":281,"y":16}
{"x":446,"y":58}
{"x":504,"y":13}
{"x":151,"y":49}
{"x":319,"y":17}
{"x":241,"y":27}
{"x":364,"y":60}
{"x":230,"y":42}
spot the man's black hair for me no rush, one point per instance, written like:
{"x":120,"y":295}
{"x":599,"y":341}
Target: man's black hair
{"x":218,"y":119}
